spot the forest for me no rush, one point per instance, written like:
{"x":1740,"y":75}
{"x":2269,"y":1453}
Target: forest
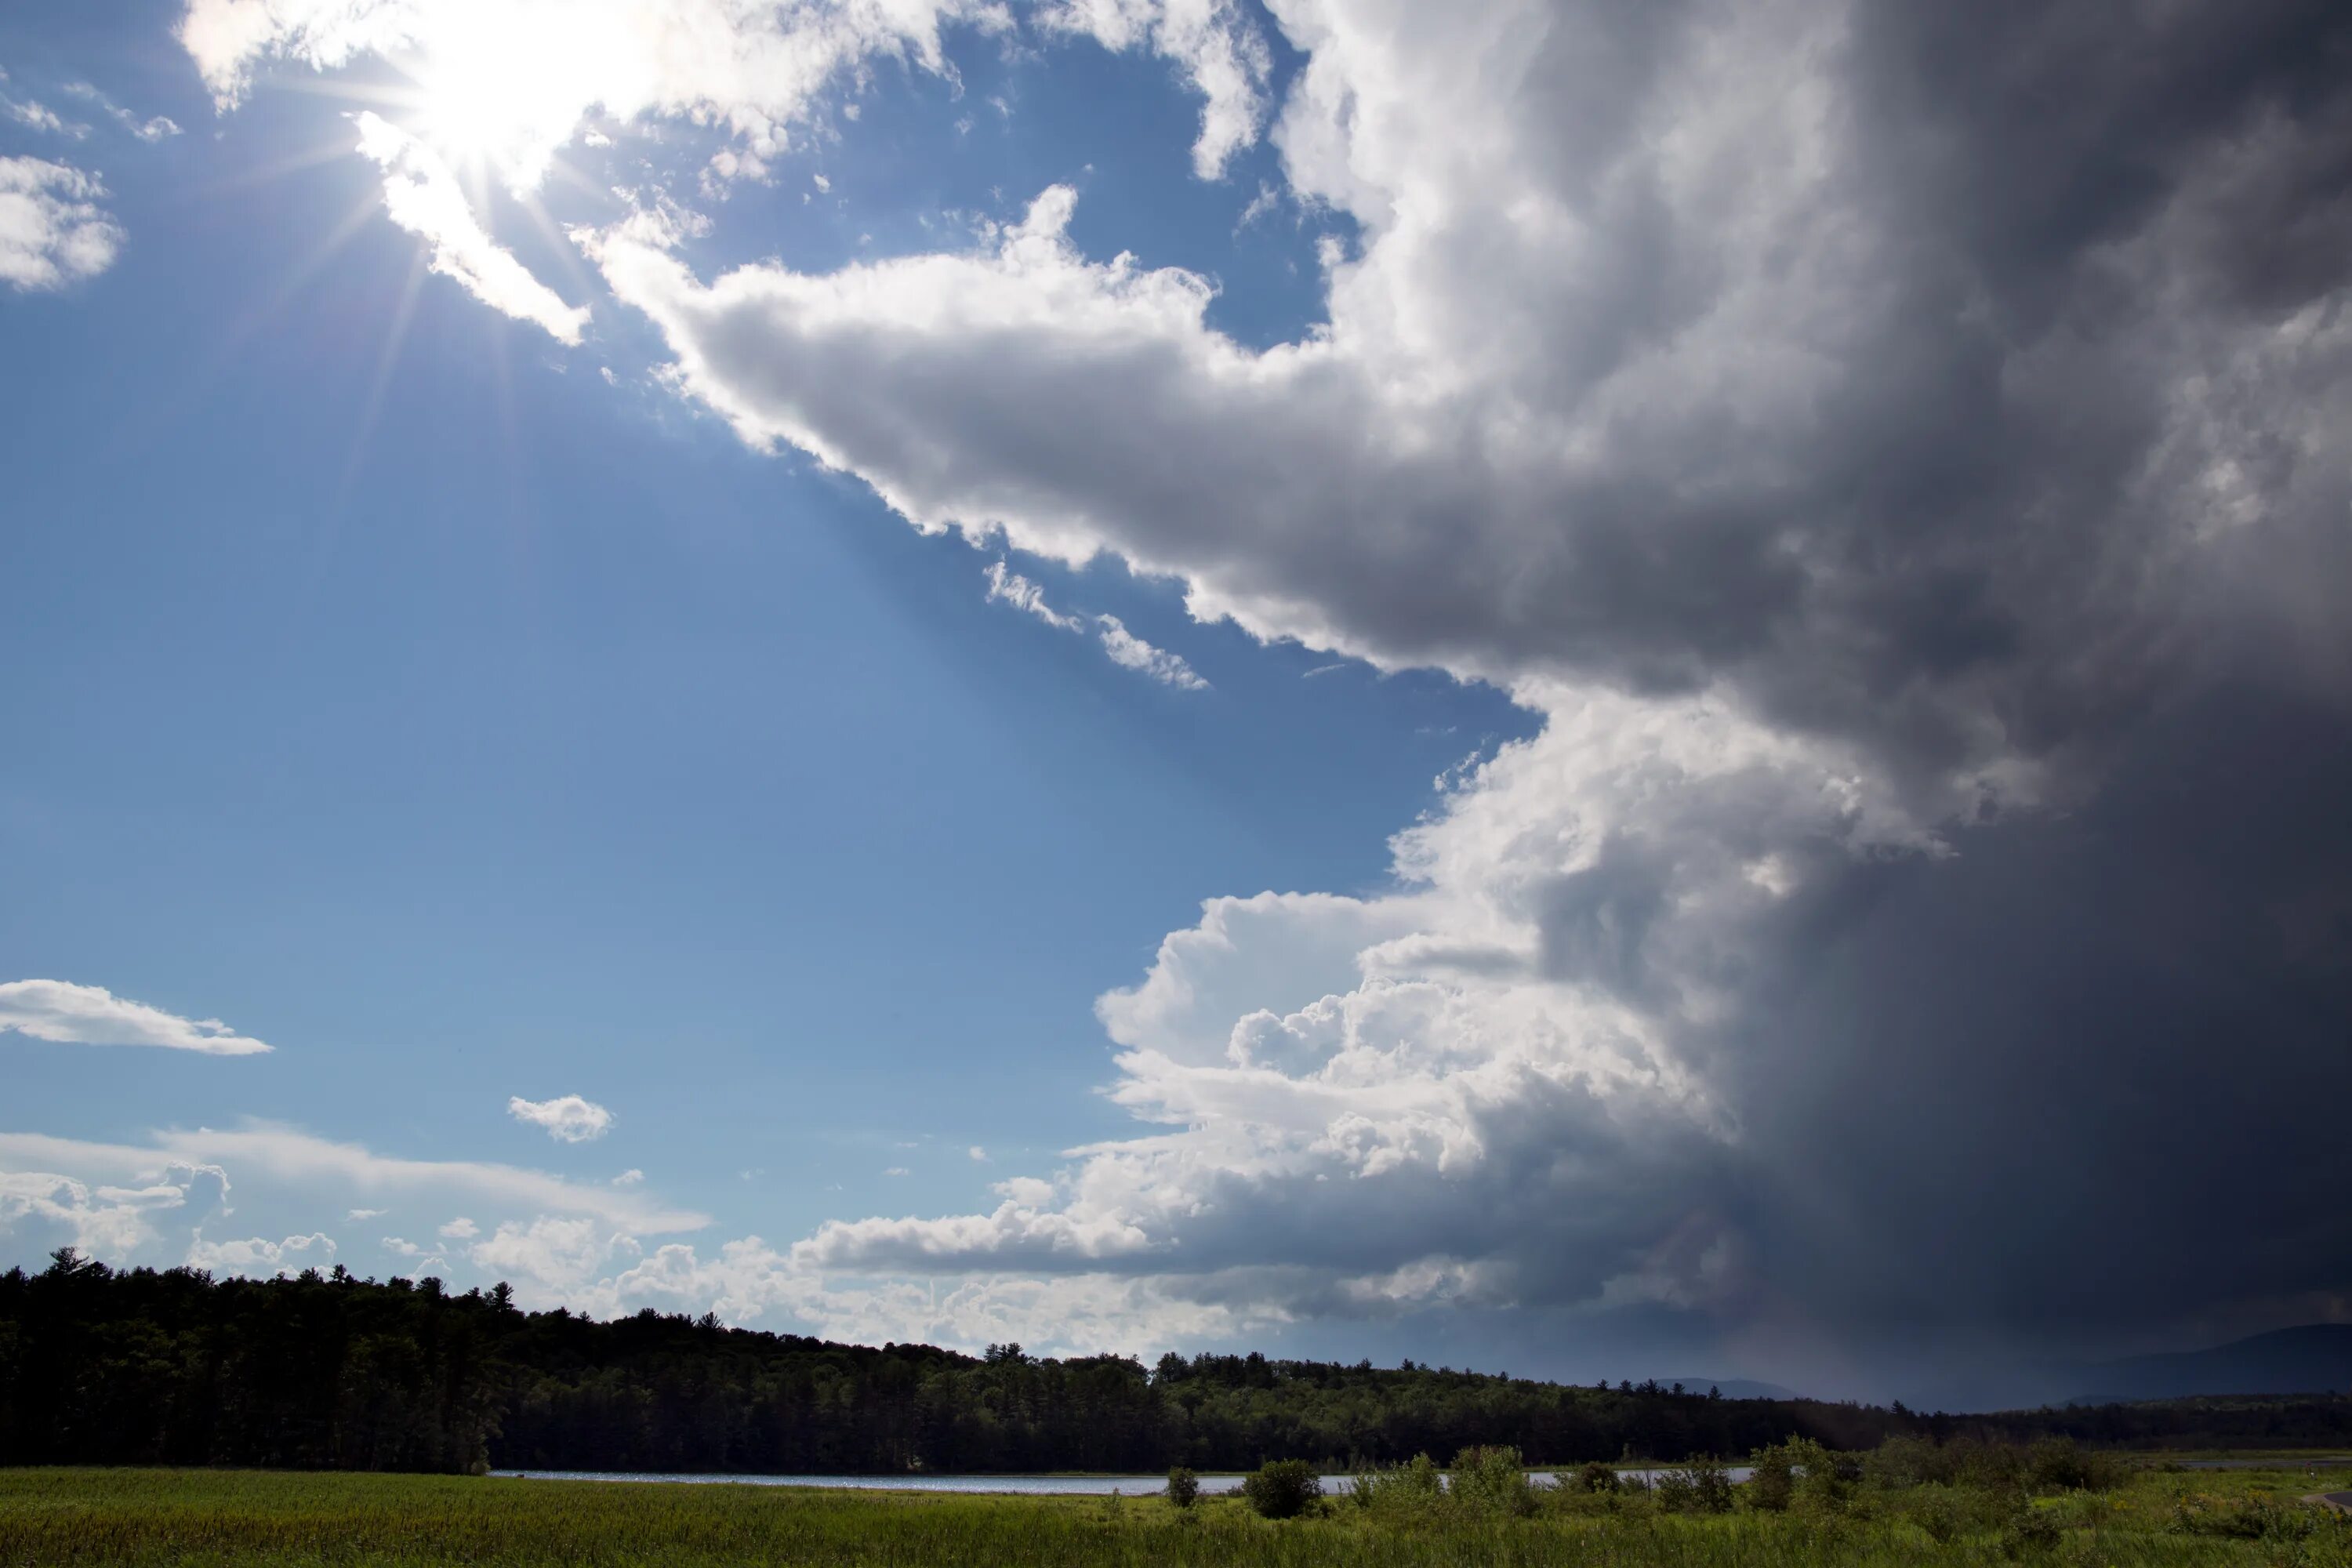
{"x":331,"y":1371}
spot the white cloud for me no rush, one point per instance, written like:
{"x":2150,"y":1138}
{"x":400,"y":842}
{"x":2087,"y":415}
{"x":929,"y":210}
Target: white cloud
{"x":150,"y":129}
{"x":424,"y":197}
{"x":1215,"y":47}
{"x":515,"y":80}
{"x":257,"y":1255}
{"x":423,"y":1256}
{"x":1125,"y":649}
{"x":1009,"y":587}
{"x":355,"y":1216}
{"x":52,"y":230}
{"x":977,"y":1154}
{"x":567,"y":1119}
{"x":629,"y":1178}
{"x":897,"y":1170}
{"x":1131,"y":652}
{"x":60,"y":1011}
{"x":106,"y":1220}
{"x":40,"y":117}
{"x":460,"y":1229}
{"x":551,"y":1259}
{"x":289,"y":1159}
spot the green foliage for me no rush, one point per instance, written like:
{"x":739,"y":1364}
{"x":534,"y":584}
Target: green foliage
{"x":215,"y":1519}
{"x":1592,"y":1476}
{"x":1492,"y":1480}
{"x":2061,"y":1464}
{"x":1183,"y":1486}
{"x":1282,"y":1488}
{"x":1702,"y":1485}
{"x":1797,"y":1473}
{"x":1416,"y":1487}
{"x":138,"y":1366}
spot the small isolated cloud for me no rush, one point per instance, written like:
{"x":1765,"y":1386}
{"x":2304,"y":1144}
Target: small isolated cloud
{"x":897,"y":1170}
{"x":460,"y":1229}
{"x":426,"y":199}
{"x":61,"y":1011}
{"x":355,"y":1216}
{"x":629,"y":1178}
{"x":1126,"y":650}
{"x":979,"y":1153}
{"x":52,"y":230}
{"x":568,"y":1118}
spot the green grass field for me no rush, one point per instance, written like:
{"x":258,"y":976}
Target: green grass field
{"x":195,"y":1518}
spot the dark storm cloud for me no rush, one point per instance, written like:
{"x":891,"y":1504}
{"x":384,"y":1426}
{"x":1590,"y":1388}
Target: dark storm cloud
{"x":1906,"y":454}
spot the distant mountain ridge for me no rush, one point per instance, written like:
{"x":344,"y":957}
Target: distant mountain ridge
{"x":2313,"y":1359}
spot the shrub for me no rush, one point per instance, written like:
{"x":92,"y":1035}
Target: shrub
{"x":1183,"y":1486}
{"x":1593,"y":1477}
{"x":1493,"y":1480}
{"x":1799,"y":1471}
{"x":2061,"y":1464}
{"x":1414,"y":1488}
{"x":1701,"y":1486}
{"x":1282,"y":1488}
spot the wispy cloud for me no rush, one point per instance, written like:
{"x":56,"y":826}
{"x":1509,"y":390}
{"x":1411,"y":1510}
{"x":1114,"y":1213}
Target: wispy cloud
{"x":147,"y":128}
{"x":424,"y":197}
{"x":61,"y":1011}
{"x":1125,"y":649}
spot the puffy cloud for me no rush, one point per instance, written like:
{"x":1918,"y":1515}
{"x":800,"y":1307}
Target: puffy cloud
{"x":567,"y":1119}
{"x":61,"y":1011}
{"x":1873,"y":463}
{"x":424,"y":198}
{"x":102,"y":1219}
{"x":257,"y":1254}
{"x":1901,"y":457}
{"x":52,"y":230}
{"x":460,"y":1229}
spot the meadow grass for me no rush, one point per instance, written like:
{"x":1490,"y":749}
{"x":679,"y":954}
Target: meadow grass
{"x":200,"y":1518}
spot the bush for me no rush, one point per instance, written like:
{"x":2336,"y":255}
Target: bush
{"x":1282,"y":1488}
{"x":1493,"y":1480}
{"x":1593,"y":1477}
{"x":1701,"y":1486}
{"x":1798,"y":1472}
{"x":2061,"y":1464}
{"x":1408,"y":1489}
{"x":1183,"y":1486}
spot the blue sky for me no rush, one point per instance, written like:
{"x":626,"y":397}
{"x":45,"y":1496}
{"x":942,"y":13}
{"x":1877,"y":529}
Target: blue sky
{"x":1468,"y":682}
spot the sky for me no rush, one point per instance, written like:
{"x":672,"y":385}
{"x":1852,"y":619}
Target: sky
{"x":1582,"y":689}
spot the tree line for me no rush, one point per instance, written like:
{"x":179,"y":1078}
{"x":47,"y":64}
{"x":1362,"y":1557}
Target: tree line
{"x":329,"y":1371}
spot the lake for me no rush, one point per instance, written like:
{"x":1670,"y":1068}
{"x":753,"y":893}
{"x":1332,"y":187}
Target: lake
{"x":1033,"y":1485}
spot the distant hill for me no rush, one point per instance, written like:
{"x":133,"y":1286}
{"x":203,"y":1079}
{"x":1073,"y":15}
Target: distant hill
{"x":2313,"y":1359}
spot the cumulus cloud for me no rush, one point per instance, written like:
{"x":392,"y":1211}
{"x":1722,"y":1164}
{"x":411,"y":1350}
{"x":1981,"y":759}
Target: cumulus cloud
{"x":102,"y":1219}
{"x":567,"y":1119}
{"x":147,"y":128}
{"x":61,"y":1011}
{"x":52,"y":230}
{"x":1869,"y":467}
{"x":424,"y":197}
{"x":1902,"y":459}
{"x":258,"y":1256}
